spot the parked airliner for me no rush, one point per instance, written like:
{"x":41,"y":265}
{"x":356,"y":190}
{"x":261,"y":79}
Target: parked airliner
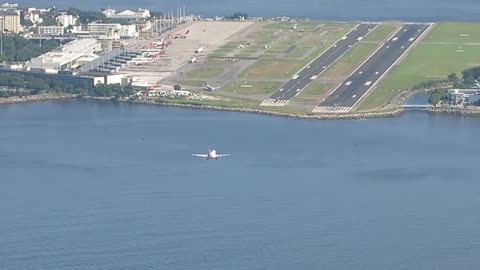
{"x":210,"y":88}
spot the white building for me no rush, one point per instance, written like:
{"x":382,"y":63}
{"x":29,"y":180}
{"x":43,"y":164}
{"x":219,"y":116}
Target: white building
{"x":103,"y":28}
{"x":112,"y":30}
{"x":65,"y":56}
{"x":109,"y":12}
{"x":50,"y":30}
{"x":132,"y":15}
{"x":128,"y":31}
{"x":66,"y":20}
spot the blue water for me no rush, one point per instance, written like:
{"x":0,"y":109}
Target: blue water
{"x":114,"y":186}
{"x":415,"y":10}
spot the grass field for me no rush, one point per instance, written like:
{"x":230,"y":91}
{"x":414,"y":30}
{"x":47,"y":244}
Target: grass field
{"x":227,"y":102}
{"x":272,"y":69}
{"x":350,"y":60}
{"x":380,"y":33}
{"x":313,"y":90}
{"x":194,"y":83}
{"x":307,"y":26}
{"x":455,"y":32}
{"x":299,"y":52}
{"x":242,"y":55}
{"x":442,"y":52}
{"x":205,"y":72}
{"x":230,"y":45}
{"x":224,"y":51}
{"x":252,"y":87}
{"x":214,"y":54}
{"x":378,"y":99}
{"x":263,"y":36}
{"x":216,"y":62}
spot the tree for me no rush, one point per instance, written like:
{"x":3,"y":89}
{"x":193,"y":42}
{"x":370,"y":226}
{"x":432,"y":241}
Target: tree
{"x":156,"y":14}
{"x":27,"y":23}
{"x":237,"y":16}
{"x":87,"y":16}
{"x":48,"y":19}
{"x":453,"y":77}
{"x":436,"y":96}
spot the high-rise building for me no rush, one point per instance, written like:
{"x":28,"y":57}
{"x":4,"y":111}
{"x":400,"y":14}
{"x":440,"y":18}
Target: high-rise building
{"x":10,"y":21}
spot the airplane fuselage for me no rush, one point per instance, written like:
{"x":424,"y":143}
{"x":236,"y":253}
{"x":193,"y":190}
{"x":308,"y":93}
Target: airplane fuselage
{"x":212,"y":154}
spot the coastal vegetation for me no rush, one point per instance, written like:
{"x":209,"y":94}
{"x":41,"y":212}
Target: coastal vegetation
{"x":14,"y":84}
{"x":19,"y":49}
{"x":469,"y":79}
{"x":237,"y":16}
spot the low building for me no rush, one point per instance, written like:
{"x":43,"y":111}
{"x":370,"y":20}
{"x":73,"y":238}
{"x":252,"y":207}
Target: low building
{"x":143,"y":26}
{"x":66,"y":56}
{"x":463,"y":97}
{"x":111,"y":44}
{"x":10,"y":21}
{"x":50,"y":30}
{"x":109,"y":12}
{"x":128,"y":31}
{"x":132,"y":15}
{"x":112,"y":30}
{"x":103,"y":27}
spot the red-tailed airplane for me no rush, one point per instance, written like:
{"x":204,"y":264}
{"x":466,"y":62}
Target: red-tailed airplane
{"x":212,"y":154}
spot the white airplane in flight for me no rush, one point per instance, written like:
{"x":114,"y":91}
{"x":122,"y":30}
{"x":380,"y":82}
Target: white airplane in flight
{"x":212,"y":154}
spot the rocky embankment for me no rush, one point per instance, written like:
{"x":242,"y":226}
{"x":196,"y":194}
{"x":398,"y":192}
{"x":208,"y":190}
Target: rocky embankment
{"x":456,"y":111}
{"x":380,"y":114}
{"x":393,"y":113}
{"x":35,"y":98}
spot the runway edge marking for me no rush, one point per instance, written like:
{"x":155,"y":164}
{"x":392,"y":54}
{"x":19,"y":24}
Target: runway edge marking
{"x":265,"y":103}
{"x":361,"y":64}
{"x":341,"y":55}
{"x":399,"y":59}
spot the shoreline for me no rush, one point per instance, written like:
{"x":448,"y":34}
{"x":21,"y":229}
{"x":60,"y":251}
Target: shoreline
{"x":455,"y":112}
{"x":36,"y":98}
{"x":354,"y":116}
{"x":351,"y":116}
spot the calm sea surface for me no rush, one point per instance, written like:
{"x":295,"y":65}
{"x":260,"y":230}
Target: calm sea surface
{"x":114,"y":186}
{"x":417,"y":10}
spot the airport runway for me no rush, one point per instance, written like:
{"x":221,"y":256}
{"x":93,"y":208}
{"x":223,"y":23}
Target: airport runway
{"x":346,"y":95}
{"x":315,"y":68}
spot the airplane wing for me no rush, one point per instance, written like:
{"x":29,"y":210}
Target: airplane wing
{"x":200,"y":155}
{"x":223,"y":155}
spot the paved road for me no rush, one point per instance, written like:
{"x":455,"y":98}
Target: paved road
{"x":315,"y":68}
{"x":359,"y":82}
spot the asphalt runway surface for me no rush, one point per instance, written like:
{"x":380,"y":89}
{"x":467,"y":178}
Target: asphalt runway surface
{"x":320,"y":64}
{"x":346,"y":95}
